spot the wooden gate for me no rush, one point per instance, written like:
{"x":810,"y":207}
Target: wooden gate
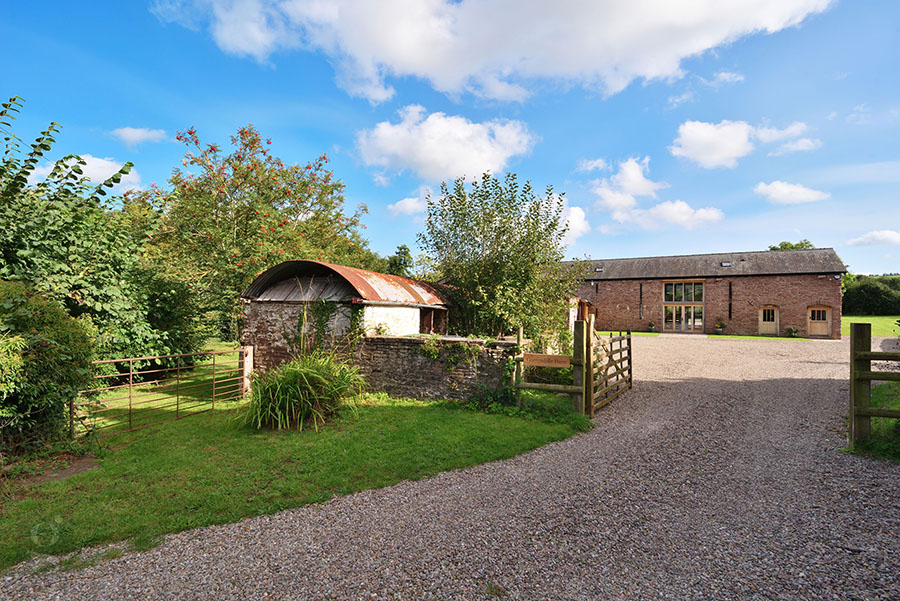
{"x":602,"y":368}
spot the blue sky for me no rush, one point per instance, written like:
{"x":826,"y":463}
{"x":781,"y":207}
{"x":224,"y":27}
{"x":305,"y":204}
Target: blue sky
{"x":723,"y":127}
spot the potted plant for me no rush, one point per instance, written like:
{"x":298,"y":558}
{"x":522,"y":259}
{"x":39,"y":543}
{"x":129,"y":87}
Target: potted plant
{"x":720,"y":325}
{"x":652,"y":325}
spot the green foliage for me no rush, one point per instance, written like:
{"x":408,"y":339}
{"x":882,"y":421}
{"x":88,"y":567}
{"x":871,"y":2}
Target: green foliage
{"x":72,"y":245}
{"x":499,"y":247}
{"x":791,"y":332}
{"x":871,"y":295}
{"x":228,"y":217}
{"x":785,"y":245}
{"x":51,"y":362}
{"x":311,"y":387}
{"x":543,"y":406}
{"x":430,"y":348}
{"x":884,"y":439}
{"x":401,"y":262}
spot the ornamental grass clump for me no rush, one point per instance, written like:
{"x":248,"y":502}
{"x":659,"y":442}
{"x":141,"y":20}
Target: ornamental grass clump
{"x":309,"y":389}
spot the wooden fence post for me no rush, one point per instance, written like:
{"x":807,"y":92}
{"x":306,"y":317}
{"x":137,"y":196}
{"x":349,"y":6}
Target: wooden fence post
{"x":630,"y":373}
{"x":520,"y":367}
{"x":247,"y":352}
{"x":860,"y":389}
{"x":578,"y":359}
{"x":588,"y":408}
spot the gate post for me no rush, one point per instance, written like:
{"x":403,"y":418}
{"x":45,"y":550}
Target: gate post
{"x":519,"y":367}
{"x":860,"y":390}
{"x":588,"y":408}
{"x":579,"y":360}
{"x":247,"y":353}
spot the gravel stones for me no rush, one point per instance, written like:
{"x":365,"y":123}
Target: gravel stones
{"x":719,"y":476}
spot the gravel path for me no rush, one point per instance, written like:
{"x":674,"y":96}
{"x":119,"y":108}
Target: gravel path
{"x":717,"y":477}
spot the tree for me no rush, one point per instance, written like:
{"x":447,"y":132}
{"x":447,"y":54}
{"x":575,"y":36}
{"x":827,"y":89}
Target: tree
{"x":499,"y":247}
{"x":65,"y":239}
{"x":228,"y":217}
{"x":785,"y":245}
{"x":401,"y":262}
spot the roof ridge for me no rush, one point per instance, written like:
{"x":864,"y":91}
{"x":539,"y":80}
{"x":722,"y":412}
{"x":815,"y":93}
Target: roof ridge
{"x":739,"y":252}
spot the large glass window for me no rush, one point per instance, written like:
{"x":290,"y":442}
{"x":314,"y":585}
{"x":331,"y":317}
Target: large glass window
{"x":683,"y":306}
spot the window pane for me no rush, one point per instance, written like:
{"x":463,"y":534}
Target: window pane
{"x":669,"y":323}
{"x":679,"y":292}
{"x":669,"y":296}
{"x":688,"y":293}
{"x":677,"y":314}
{"x":698,"y":318}
{"x":698,"y":293}
{"x":688,"y":314}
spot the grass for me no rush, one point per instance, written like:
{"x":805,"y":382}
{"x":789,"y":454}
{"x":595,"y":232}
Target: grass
{"x":206,"y":470}
{"x":882,"y":325}
{"x":617,"y":332}
{"x":884,"y":441}
{"x":736,"y":337}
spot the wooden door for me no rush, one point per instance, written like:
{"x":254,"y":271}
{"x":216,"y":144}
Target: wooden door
{"x":819,"y":321}
{"x":768,"y":321}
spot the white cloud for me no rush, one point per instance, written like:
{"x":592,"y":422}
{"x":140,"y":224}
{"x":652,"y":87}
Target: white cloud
{"x":439,"y":146}
{"x":860,"y":115}
{"x":588,"y":165}
{"x":784,"y":193}
{"x":798,"y":145}
{"x":877,"y":237}
{"x":728,"y":77}
{"x":381,"y":180}
{"x":721,"y":144}
{"x":619,"y":195}
{"x":576,"y":218}
{"x":713,"y":144}
{"x":773,"y":134}
{"x":675,"y":101}
{"x":97,"y":170}
{"x":132,"y":136}
{"x":457,"y":46}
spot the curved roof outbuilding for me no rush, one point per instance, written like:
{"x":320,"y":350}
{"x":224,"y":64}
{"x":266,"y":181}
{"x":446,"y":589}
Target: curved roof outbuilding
{"x":303,"y":280}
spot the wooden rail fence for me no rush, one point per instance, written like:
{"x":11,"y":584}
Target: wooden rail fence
{"x":131,"y":399}
{"x":861,"y":377}
{"x":602,"y":368}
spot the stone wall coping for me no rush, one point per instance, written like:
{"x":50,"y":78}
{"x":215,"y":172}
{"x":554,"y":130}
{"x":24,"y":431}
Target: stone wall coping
{"x":454,"y":339}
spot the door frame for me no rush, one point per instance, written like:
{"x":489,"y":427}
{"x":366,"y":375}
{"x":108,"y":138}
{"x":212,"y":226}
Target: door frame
{"x":809,"y":321}
{"x":777,"y":320}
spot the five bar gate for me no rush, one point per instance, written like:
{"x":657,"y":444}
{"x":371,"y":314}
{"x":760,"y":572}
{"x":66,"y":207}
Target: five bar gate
{"x":601,"y":368}
{"x":130,"y":399}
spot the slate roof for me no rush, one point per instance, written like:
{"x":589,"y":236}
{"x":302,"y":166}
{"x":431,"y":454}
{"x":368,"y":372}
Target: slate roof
{"x":767,"y":262}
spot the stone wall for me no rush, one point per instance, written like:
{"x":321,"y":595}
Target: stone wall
{"x":416,"y":367}
{"x":432,"y":367}
{"x":632,"y":304}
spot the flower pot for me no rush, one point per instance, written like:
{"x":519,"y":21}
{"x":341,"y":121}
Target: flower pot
{"x":718,"y":330}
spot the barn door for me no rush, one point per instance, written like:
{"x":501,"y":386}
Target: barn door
{"x":819,"y":321}
{"x":768,"y":321}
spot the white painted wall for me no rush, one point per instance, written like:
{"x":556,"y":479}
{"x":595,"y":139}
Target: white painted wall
{"x":391,"y":321}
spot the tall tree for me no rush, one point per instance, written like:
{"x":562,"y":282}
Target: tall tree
{"x":499,"y":246}
{"x":228,"y":217}
{"x":785,"y":245}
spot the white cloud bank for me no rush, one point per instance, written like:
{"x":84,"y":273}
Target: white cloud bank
{"x":458,"y":47}
{"x":576,"y":219}
{"x":97,"y":170}
{"x":441,"y":147}
{"x":876,"y":238}
{"x":779,"y":192}
{"x":132,"y":136}
{"x":619,"y":195}
{"x":713,"y":145}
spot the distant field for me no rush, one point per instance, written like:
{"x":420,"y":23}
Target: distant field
{"x":882,"y":325}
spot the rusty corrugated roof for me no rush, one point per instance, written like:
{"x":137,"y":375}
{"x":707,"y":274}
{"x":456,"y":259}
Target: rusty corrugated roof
{"x":369,"y":285}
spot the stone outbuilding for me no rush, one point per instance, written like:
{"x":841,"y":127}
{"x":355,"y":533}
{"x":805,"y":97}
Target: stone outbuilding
{"x":375,"y":303}
{"x":753,"y":293}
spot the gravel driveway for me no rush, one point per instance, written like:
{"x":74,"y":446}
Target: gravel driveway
{"x":717,"y":477}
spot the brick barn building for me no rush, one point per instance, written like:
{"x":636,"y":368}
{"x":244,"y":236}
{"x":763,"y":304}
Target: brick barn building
{"x":753,"y":293}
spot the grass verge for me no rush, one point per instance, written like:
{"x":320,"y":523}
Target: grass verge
{"x":205,"y":470}
{"x":882,"y":325}
{"x":736,"y":337}
{"x":617,"y":333}
{"x":884,"y":441}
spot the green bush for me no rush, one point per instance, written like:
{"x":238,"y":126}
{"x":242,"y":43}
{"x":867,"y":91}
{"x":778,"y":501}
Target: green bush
{"x":51,"y":362}
{"x":870,"y":296}
{"x":313,"y":387}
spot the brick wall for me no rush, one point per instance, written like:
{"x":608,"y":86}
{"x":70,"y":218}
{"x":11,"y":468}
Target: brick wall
{"x":397,"y":365}
{"x":617,"y":304}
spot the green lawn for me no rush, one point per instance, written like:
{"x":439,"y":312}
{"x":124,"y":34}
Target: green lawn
{"x":616,"y":333}
{"x":885,"y":431}
{"x":203,"y":470}
{"x":882,"y":325}
{"x":735,"y":337}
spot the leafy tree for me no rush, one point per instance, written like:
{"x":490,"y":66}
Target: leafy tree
{"x":65,"y":239}
{"x":499,"y":246}
{"x":401,"y":262}
{"x":870,"y":296}
{"x":228,"y":217}
{"x":785,"y":245}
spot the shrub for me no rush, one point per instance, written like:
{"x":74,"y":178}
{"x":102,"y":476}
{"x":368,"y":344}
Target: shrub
{"x":313,"y":387}
{"x":868,"y":296}
{"x":52,"y":363}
